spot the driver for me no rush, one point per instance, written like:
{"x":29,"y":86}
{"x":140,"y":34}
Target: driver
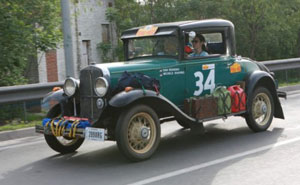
{"x":199,"y":46}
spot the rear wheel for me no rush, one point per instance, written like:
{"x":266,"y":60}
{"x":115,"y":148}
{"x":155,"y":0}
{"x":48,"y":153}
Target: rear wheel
{"x":138,"y":132}
{"x":61,"y":144}
{"x":261,"y":110}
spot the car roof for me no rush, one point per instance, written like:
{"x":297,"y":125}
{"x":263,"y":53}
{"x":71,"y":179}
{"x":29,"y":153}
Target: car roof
{"x":168,"y":28}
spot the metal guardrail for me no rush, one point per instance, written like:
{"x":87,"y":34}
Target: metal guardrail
{"x":283,"y":64}
{"x":38,"y":91}
{"x":21,"y":93}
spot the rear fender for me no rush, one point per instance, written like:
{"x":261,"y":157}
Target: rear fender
{"x":264,"y":79}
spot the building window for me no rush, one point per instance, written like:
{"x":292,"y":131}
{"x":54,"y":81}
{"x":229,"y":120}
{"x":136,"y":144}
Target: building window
{"x":86,"y":52}
{"x":110,"y":4}
{"x":105,"y":33}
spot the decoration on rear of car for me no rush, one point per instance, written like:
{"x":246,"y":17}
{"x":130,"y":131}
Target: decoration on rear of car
{"x":238,"y":98}
{"x":221,"y":102}
{"x":235,"y":68}
{"x":146,"y":31}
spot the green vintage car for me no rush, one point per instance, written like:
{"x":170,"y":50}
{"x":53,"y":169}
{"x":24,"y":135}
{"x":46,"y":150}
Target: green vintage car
{"x":107,"y":104}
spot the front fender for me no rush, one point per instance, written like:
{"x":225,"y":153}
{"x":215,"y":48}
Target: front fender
{"x":157,"y":101}
{"x":57,"y":97}
{"x":264,"y":79}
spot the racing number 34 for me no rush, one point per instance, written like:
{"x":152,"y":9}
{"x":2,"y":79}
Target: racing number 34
{"x":209,"y":83}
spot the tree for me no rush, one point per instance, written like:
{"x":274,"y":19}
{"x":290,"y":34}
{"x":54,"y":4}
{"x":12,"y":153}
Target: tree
{"x":265,"y":29}
{"x":25,"y":28}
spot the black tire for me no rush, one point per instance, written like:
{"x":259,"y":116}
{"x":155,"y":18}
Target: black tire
{"x":185,"y":125}
{"x":56,"y":143}
{"x":261,"y":110}
{"x":138,"y":132}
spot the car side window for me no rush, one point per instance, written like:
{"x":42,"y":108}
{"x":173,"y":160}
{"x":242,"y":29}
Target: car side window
{"x":204,"y":44}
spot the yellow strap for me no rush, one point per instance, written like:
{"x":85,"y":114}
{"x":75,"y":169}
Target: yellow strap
{"x":52,"y":127}
{"x":47,"y":124}
{"x":75,"y":127}
{"x":57,"y":128}
{"x":71,"y":128}
{"x":63,"y":128}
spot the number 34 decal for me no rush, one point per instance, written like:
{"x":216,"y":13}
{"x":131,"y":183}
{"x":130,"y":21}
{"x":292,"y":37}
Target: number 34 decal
{"x":209,"y":82}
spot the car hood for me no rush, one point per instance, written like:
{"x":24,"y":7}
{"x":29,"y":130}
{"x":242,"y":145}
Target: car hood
{"x":137,"y":65}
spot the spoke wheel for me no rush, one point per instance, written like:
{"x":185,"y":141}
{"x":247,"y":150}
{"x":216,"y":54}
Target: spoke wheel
{"x":138,"y":132}
{"x":141,"y":132}
{"x":261,"y":110}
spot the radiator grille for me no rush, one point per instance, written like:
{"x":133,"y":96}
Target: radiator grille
{"x":88,"y":98}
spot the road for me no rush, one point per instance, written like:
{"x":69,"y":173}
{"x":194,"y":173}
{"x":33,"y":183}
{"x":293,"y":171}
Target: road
{"x":229,"y":153}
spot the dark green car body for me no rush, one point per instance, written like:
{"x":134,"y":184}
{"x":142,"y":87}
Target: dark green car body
{"x":177,"y":75}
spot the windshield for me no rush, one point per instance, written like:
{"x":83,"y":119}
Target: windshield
{"x":153,"y":46}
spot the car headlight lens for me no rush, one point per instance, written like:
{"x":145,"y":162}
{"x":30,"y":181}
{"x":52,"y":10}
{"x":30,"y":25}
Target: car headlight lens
{"x":70,"y":86}
{"x":101,"y":86}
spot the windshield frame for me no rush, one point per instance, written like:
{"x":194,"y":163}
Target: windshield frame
{"x":127,"y":41}
{"x":126,"y":47}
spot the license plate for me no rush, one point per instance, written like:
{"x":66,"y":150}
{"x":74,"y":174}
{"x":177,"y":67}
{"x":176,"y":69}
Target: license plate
{"x":95,"y":134}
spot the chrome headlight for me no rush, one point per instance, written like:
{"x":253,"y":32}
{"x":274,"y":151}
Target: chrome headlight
{"x":70,"y":86}
{"x":101,"y":86}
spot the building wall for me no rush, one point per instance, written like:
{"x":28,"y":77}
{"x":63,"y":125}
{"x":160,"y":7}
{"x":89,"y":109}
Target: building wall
{"x":87,"y":18}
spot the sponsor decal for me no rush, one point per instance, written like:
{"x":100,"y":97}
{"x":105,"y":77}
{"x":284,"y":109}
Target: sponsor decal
{"x":235,"y":68}
{"x":171,"y":72}
{"x":208,"y":66}
{"x":147,"y":31}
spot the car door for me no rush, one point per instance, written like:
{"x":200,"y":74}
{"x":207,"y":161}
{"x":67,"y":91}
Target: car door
{"x":203,"y":75}
{"x":172,"y":80}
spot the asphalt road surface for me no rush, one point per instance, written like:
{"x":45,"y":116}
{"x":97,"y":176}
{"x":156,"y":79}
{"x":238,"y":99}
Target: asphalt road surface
{"x":229,"y":153}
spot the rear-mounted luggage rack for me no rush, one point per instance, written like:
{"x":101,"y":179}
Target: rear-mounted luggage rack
{"x":220,"y":117}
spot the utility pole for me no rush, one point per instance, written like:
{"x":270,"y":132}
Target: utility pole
{"x":67,"y":32}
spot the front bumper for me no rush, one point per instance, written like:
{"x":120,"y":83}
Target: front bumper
{"x":68,"y":127}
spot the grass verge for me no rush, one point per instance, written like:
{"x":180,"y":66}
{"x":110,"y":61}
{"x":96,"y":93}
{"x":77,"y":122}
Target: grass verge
{"x":284,"y":84}
{"x":15,"y":126}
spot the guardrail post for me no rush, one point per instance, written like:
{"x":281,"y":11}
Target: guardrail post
{"x":25,"y":112}
{"x":286,"y":76}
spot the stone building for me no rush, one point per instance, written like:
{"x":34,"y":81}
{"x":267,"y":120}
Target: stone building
{"x":89,"y":28}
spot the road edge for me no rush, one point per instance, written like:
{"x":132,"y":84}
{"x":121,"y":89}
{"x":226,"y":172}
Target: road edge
{"x":15,"y":134}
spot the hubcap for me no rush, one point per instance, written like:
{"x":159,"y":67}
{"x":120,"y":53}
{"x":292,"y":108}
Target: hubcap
{"x":261,"y":108}
{"x":264,"y":109}
{"x":144,"y":132}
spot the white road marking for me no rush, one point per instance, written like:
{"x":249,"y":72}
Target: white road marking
{"x":21,"y":145}
{"x":214,"y":162}
{"x":292,"y":128}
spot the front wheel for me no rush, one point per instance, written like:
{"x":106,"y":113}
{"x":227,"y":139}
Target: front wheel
{"x":260,"y":110}
{"x":61,"y":144}
{"x":138,"y":132}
